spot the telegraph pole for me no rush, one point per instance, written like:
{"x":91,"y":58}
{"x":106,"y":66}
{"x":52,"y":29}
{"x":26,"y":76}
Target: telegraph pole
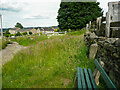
{"x":1,"y":26}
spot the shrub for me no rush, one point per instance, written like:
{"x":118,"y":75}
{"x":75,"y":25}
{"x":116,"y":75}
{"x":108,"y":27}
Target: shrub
{"x":69,"y":30}
{"x":56,"y":30}
{"x":30,"y":33}
{"x":24,"y":33}
{"x":7,"y":33}
{"x":3,"y":43}
{"x":18,"y":34}
{"x":40,"y":33}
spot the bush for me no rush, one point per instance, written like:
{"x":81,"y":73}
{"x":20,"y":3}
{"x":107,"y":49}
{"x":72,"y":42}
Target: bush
{"x":25,"y":33}
{"x":30,"y":33}
{"x":3,"y":43}
{"x":69,"y":30}
{"x":18,"y":34}
{"x":11,"y":35}
{"x":7,"y":33}
{"x":40,"y":33}
{"x":56,"y":30}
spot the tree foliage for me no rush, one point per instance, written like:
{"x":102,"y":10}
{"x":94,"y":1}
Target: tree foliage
{"x":75,"y":15}
{"x":30,"y":33}
{"x":7,"y":33}
{"x":19,"y":25}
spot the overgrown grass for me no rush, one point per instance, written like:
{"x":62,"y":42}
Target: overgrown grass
{"x":3,"y":43}
{"x":29,"y":40}
{"x":80,"y":32}
{"x":49,"y":64}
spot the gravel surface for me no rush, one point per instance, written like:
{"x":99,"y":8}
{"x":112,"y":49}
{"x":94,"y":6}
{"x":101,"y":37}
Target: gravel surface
{"x":8,"y":53}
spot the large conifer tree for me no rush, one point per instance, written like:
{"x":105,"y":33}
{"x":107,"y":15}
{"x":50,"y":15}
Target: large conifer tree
{"x":75,"y":15}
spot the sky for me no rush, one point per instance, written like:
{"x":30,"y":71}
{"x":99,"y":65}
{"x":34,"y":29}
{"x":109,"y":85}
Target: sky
{"x":34,"y":13}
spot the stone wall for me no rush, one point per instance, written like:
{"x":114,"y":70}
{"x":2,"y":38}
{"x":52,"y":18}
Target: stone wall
{"x":109,"y":52}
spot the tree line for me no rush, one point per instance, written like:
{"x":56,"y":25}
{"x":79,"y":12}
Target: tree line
{"x":75,"y":15}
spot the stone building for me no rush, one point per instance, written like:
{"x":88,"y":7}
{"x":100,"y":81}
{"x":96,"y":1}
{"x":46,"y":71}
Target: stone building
{"x":13,"y":30}
{"x":113,"y":20}
{"x":34,"y":31}
{"x":38,"y":30}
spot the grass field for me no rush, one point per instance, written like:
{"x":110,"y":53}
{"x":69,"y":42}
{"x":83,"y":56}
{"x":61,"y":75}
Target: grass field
{"x":48,"y":64}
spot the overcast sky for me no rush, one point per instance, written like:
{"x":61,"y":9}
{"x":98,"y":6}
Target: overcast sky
{"x":32,"y":13}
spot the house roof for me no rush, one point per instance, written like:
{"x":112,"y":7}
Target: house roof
{"x":20,"y":30}
{"x":41,"y":29}
{"x":23,"y":30}
{"x":48,"y":29}
{"x":13,"y":29}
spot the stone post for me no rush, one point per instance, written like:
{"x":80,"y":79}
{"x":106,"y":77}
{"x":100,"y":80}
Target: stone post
{"x":90,"y":25}
{"x":93,"y":51}
{"x":87,"y":25}
{"x":65,"y":32}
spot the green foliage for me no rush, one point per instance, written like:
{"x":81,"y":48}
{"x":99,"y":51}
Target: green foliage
{"x":11,"y":35}
{"x":19,"y":25}
{"x":7,"y":33}
{"x":40,"y":33}
{"x":30,"y":33}
{"x":75,"y":15}
{"x":69,"y":30}
{"x":24,"y":33}
{"x":18,"y":34}
{"x":49,"y":64}
{"x":79,"y":32}
{"x":56,"y":30}
{"x":3,"y":43}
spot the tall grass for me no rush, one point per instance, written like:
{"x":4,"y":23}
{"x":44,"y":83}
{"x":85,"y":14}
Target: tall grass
{"x":49,"y":64}
{"x":79,"y":32}
{"x":29,"y":40}
{"x":3,"y":43}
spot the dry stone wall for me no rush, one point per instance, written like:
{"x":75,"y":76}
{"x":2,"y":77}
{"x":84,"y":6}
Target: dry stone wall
{"x":109,"y":52}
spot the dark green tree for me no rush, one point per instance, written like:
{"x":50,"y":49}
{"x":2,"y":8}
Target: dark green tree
{"x":75,"y":15}
{"x":30,"y":33}
{"x":19,"y":25}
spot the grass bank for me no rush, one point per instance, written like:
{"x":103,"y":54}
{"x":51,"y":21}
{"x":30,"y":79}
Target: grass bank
{"x":49,"y":64}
